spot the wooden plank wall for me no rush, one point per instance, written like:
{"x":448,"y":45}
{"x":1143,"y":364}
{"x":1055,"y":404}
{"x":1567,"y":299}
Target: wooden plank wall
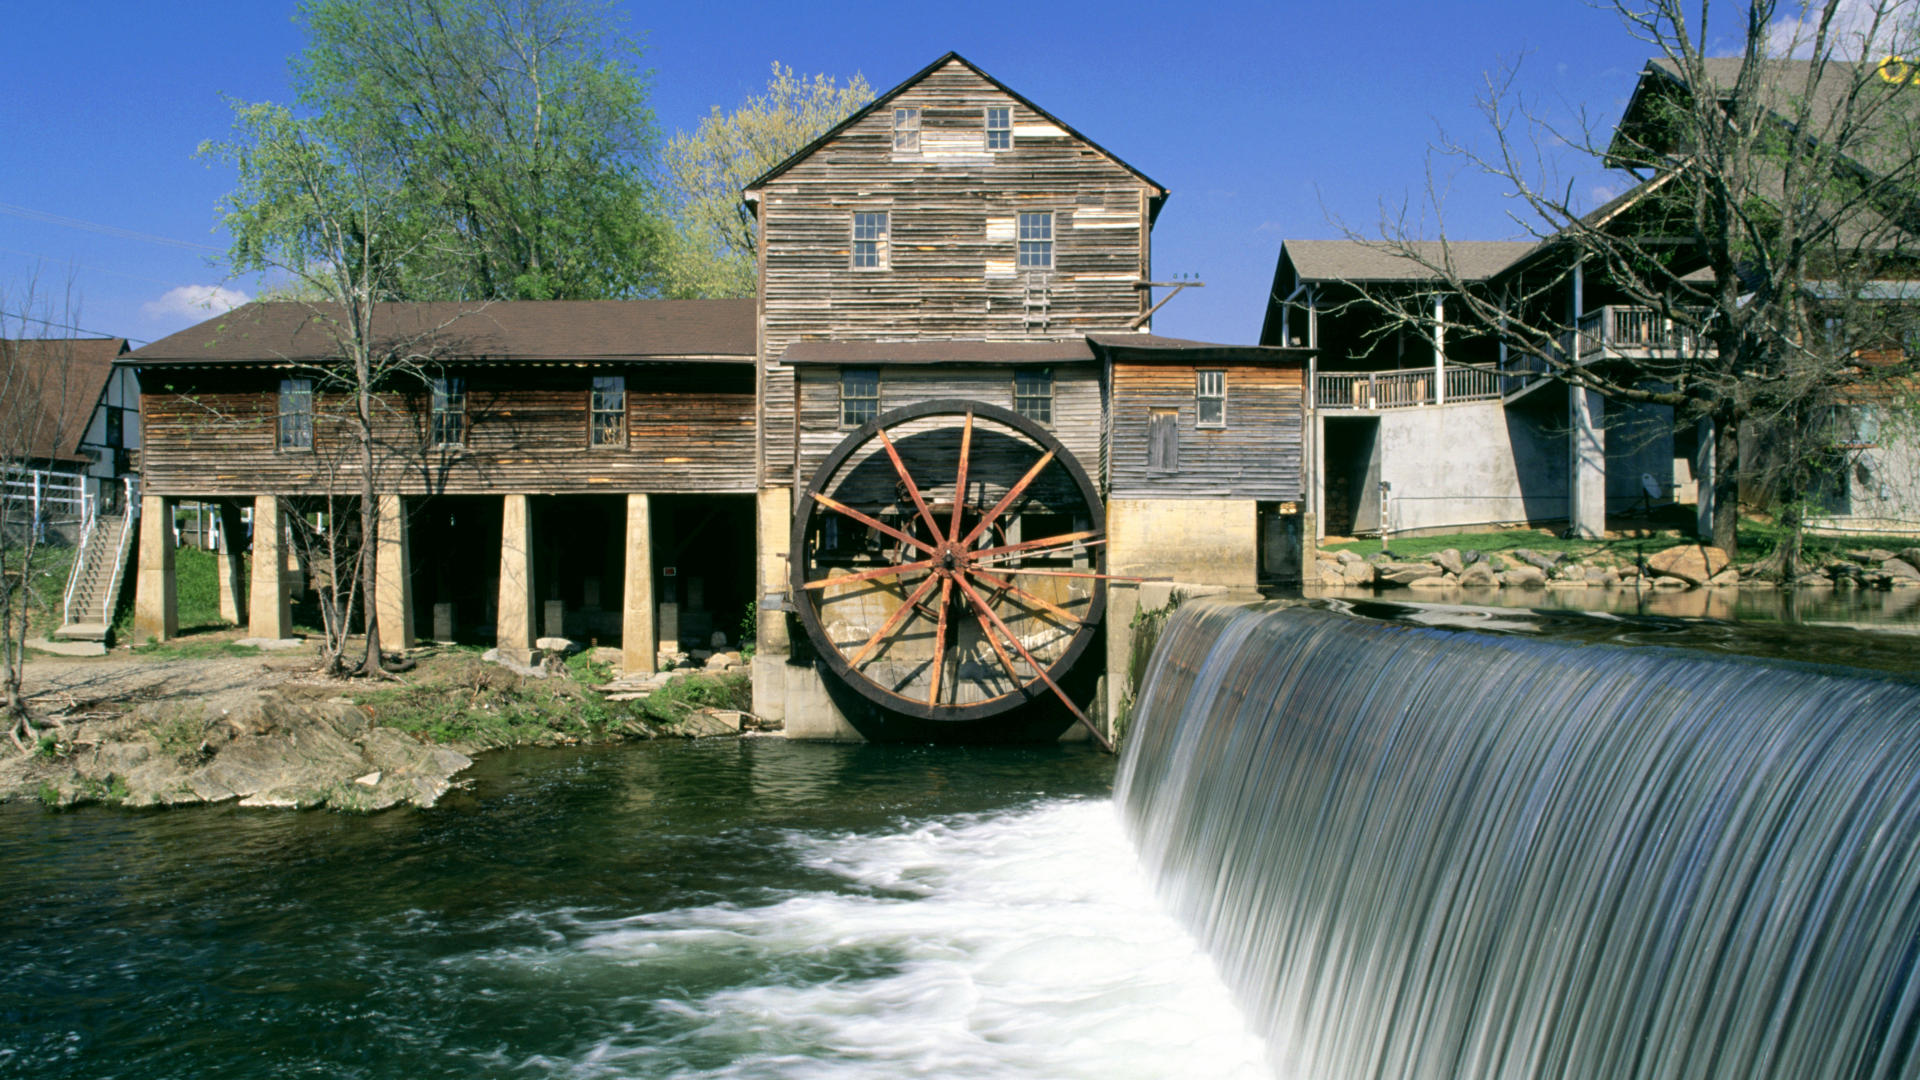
{"x":1256,"y":456}
{"x":953,"y":210}
{"x":690,"y":429}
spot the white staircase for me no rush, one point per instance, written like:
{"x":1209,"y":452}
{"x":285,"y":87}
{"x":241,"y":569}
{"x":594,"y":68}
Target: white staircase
{"x":99,"y":568}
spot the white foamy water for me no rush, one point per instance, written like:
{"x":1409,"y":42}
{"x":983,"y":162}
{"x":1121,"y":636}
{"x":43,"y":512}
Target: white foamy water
{"x":1025,"y":944}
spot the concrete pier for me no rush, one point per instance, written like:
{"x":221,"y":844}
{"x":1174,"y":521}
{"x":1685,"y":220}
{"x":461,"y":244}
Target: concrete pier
{"x":638,"y":645}
{"x":156,"y":611}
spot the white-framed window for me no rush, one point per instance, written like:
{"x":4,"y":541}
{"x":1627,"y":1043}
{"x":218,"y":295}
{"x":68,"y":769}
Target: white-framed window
{"x":1000,"y":129}
{"x":870,"y":240}
{"x":447,"y":420}
{"x":607,"y":402}
{"x":1210,"y":398}
{"x":1033,"y":394}
{"x":1036,"y":240}
{"x":296,"y":414}
{"x":859,"y":395}
{"x":906,"y":128}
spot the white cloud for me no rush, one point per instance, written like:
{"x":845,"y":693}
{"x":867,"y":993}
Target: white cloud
{"x":194,"y":301}
{"x":1853,"y":33}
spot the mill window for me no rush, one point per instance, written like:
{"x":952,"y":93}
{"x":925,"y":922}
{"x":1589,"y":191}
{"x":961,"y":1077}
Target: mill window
{"x":906,"y":129}
{"x":608,"y":404}
{"x":999,"y":129}
{"x":448,"y":420}
{"x":1036,"y":241}
{"x":870,"y":241}
{"x":1033,"y":394}
{"x":1210,"y":398}
{"x":859,"y":395}
{"x":296,"y":414}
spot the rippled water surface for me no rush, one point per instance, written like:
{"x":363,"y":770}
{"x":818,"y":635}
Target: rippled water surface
{"x":741,"y":908}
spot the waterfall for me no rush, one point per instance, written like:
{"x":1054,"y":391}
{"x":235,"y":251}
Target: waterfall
{"x":1427,"y":853}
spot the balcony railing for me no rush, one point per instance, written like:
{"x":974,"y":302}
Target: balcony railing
{"x":1622,"y":330}
{"x":1402,"y":389}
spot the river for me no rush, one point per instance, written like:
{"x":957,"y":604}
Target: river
{"x":723,"y":908}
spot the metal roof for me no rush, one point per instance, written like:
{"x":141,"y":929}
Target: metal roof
{"x":1353,"y":260}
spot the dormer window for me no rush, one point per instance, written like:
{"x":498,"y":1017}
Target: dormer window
{"x":1000,"y":129}
{"x":906,"y":129}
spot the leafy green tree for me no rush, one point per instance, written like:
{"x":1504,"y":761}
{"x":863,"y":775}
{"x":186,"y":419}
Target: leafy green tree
{"x":712,"y":252}
{"x":519,"y":129}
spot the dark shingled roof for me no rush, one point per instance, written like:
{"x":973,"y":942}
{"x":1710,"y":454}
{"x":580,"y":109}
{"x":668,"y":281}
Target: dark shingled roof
{"x":48,"y":390}
{"x":938,"y":352}
{"x":1155,"y":347}
{"x":1351,"y":260}
{"x":529,"y":330}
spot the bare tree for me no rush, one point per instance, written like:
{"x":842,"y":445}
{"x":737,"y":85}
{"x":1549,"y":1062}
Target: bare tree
{"x":1769,"y":185}
{"x":37,"y":417}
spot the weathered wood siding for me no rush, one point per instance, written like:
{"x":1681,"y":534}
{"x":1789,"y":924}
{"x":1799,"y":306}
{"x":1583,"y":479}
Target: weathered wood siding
{"x":952,"y":249}
{"x":690,"y":429}
{"x":1257,"y":455}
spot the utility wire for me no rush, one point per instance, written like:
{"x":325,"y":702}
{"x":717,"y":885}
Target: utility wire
{"x":108,"y":230}
{"x":24,"y":317}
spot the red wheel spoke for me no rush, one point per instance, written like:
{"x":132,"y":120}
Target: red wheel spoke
{"x":940,"y":640}
{"x":913,"y":489}
{"x":1028,"y":598}
{"x":875,"y":524}
{"x":1007,"y":499}
{"x":960,"y":481}
{"x":868,"y":575}
{"x":1063,"y":540}
{"x":1006,"y":661}
{"x":893,"y":620}
{"x":1098,"y":736}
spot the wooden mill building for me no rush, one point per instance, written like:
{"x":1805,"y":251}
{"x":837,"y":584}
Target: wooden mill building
{"x":643,"y":471}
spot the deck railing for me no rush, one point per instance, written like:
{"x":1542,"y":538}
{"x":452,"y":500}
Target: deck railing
{"x":1625,"y":329}
{"x":1402,"y":389}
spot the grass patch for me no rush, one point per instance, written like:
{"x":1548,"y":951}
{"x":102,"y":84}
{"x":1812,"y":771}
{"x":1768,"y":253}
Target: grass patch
{"x":47,"y":586}
{"x":196,"y":584}
{"x":458,"y":698}
{"x":1757,"y":537}
{"x":193,"y":650}
{"x":685,"y":696}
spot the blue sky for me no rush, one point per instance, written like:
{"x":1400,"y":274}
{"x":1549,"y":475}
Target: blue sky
{"x":1262,"y":119}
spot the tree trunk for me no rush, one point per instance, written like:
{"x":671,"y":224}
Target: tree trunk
{"x":1726,"y":484}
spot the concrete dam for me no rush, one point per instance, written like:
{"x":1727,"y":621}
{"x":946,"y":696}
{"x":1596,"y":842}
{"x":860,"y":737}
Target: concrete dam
{"x":1416,"y":852}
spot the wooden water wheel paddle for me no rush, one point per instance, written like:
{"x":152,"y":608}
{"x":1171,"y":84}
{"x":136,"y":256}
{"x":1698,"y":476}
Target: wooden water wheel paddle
{"x":915,"y":574}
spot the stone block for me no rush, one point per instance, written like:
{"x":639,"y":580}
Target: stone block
{"x":1524,"y":577}
{"x":443,"y":622}
{"x":1691,"y":563}
{"x":1406,"y":573}
{"x":553,"y":619}
{"x":1900,"y":568}
{"x":1448,"y":560}
{"x":1479,"y":575}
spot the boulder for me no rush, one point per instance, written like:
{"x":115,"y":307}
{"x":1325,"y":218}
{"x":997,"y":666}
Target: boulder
{"x":1691,"y":563}
{"x":1471,"y":556}
{"x":1331,"y":573}
{"x":1911,"y":556}
{"x":1871,"y":555}
{"x":1729,"y":576}
{"x":1524,"y":577}
{"x":1497,"y":563}
{"x":1347,"y":557}
{"x":1535,"y":559}
{"x":1479,"y":575}
{"x":1359,"y":573}
{"x":558,"y":645}
{"x":1448,"y":560}
{"x":1406,"y":573}
{"x":1441,"y":582}
{"x":1900,"y":568}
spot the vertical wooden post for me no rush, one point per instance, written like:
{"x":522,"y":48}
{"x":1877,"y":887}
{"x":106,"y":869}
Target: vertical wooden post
{"x":513,"y":626}
{"x":393,"y":580}
{"x":1440,"y":349}
{"x":269,"y":608}
{"x":156,"y":615}
{"x":639,"y":645}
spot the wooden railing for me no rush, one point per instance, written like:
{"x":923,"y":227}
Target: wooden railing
{"x":1402,"y":389}
{"x":1620,"y":328}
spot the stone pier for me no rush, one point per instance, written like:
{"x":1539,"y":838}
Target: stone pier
{"x":513,"y":626}
{"x":233,"y":563}
{"x":156,"y":612}
{"x":1587,"y":464}
{"x":393,"y":583}
{"x":638,"y":644}
{"x":269,"y":608}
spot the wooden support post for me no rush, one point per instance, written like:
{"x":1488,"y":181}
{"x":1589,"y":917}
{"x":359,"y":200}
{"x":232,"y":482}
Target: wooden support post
{"x":156,"y":613}
{"x":639,"y":645}
{"x":513,"y":626}
{"x":1440,"y":350}
{"x":233,"y":564}
{"x":393,"y":577}
{"x":269,"y":608}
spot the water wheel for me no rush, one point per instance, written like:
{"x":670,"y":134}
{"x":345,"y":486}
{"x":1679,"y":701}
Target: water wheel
{"x":948,"y":561}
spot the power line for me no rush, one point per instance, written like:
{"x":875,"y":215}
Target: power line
{"x":24,"y":317}
{"x":108,"y":230}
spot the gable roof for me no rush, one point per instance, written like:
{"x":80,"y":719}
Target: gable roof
{"x":1354,"y":260}
{"x":52,"y":386}
{"x":720,"y":331}
{"x":913,"y":80}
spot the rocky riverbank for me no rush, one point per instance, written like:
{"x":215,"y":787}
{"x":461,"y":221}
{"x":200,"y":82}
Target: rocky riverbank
{"x":265,"y":733}
{"x":1683,"y":567}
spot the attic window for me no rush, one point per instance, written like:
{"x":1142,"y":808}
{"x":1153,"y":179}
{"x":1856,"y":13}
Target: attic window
{"x":906,"y":129}
{"x":1000,"y":129}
